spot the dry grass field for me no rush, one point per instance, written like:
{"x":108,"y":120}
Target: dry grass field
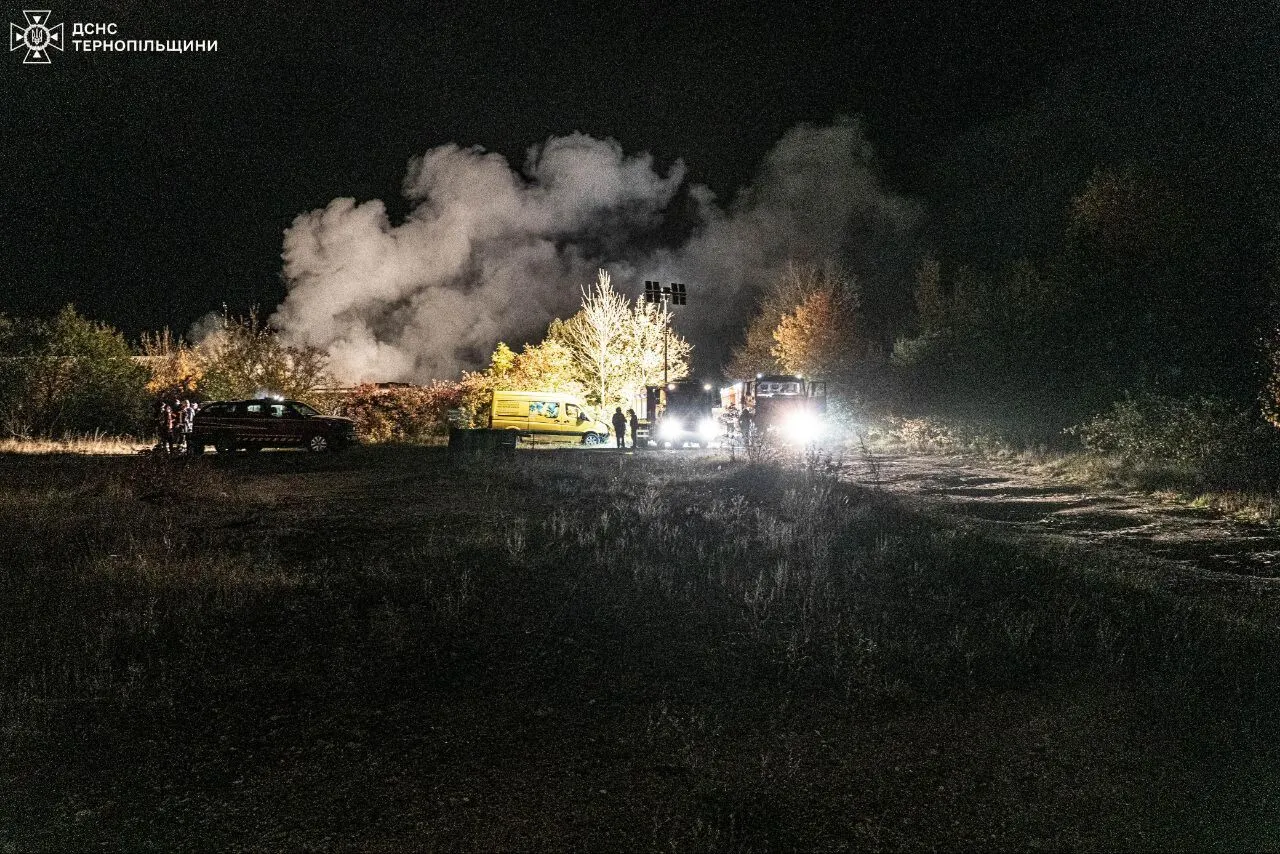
{"x":86,"y":444}
{"x":395,"y":649}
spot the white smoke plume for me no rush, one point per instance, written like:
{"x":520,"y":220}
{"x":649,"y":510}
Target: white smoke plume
{"x":488,"y":254}
{"x":817,"y":198}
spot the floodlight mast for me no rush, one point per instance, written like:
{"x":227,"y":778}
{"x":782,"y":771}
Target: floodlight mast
{"x":668,"y":295}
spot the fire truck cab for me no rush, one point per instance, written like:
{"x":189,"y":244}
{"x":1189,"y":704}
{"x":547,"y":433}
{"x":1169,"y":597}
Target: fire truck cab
{"x":682,"y":413}
{"x":788,"y":406}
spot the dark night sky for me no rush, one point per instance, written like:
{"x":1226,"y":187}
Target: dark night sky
{"x":148,"y":189}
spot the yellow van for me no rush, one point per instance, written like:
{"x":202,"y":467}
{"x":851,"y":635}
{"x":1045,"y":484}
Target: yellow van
{"x":550,"y":414}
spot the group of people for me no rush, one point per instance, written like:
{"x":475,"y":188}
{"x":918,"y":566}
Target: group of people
{"x":174,"y":422}
{"x":621,"y":423}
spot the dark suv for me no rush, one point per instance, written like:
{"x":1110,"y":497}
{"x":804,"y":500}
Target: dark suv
{"x":267,"y":423}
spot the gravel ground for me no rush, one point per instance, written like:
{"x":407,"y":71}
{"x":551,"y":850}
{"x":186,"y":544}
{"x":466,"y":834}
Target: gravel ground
{"x":1212,"y":551}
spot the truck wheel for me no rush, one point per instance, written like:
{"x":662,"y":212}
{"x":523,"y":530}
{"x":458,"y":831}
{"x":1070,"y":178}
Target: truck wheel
{"x":317,"y":444}
{"x":592,"y":439}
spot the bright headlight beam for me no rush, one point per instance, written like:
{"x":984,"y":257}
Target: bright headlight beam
{"x":803,"y":428}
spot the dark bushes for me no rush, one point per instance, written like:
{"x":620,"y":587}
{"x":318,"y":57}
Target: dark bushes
{"x":1207,"y":440}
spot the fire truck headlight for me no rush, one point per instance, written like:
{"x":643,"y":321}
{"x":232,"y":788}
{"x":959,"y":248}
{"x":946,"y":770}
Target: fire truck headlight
{"x":708,"y":429}
{"x":804,"y":427}
{"x":671,"y":430}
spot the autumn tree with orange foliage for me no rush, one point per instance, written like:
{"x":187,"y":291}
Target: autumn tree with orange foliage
{"x":808,"y":323}
{"x":819,"y":337}
{"x":545,"y":367}
{"x":176,"y":368}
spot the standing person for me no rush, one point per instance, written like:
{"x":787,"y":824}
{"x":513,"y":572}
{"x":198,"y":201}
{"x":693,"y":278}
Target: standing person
{"x":620,"y":427}
{"x":186,"y":422}
{"x":744,"y":425}
{"x":635,"y":426}
{"x":164,"y":427}
{"x":175,"y":425}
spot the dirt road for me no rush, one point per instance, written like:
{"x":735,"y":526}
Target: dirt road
{"x":1216,"y":551}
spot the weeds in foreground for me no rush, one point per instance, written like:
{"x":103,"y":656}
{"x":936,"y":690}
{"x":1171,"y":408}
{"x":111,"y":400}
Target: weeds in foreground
{"x":1258,"y":507}
{"x":340,"y":590}
{"x":869,"y":461}
{"x":827,"y":584}
{"x":822,"y":582}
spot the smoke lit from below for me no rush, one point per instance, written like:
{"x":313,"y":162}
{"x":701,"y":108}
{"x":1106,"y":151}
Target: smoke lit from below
{"x":488,"y":253}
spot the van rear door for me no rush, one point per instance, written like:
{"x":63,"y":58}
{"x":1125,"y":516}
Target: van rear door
{"x":510,"y":414}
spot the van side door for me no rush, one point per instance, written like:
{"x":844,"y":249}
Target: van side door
{"x":544,"y":416}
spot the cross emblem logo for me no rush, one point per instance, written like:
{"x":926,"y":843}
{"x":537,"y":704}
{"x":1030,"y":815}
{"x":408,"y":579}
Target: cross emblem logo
{"x":37,"y":36}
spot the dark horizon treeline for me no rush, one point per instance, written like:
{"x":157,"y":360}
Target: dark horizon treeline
{"x":1114,"y":232}
{"x":1138,"y":296}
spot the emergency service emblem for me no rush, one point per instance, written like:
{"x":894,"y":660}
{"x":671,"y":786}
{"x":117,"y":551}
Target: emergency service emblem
{"x":37,"y":37}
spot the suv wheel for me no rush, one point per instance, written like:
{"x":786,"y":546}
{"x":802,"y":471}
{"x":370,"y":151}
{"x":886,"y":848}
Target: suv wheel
{"x":317,"y":444}
{"x":592,"y":438}
{"x":224,"y":445}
